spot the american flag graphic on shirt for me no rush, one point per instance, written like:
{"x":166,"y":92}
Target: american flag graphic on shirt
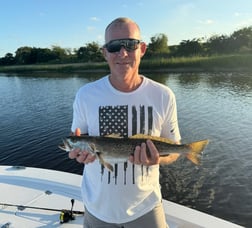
{"x":116,"y":120}
{"x":113,"y":120}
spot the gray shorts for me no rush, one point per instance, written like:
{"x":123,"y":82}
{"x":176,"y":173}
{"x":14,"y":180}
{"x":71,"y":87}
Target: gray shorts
{"x":153,"y":219}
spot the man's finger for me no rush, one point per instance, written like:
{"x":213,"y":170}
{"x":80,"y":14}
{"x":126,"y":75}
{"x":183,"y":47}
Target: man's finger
{"x":77,"y":132}
{"x":143,"y":155}
{"x":74,"y":153}
{"x":137,"y":155}
{"x":153,"y":152}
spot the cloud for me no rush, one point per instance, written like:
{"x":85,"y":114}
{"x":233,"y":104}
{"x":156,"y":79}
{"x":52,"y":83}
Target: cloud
{"x":94,"y":19}
{"x":90,"y":28}
{"x":237,"y":14}
{"x":206,"y":22}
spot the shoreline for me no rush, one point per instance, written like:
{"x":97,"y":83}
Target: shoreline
{"x":231,"y":63}
{"x":160,"y":70}
{"x":71,"y":68}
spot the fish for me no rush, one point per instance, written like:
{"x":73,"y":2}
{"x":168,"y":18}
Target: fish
{"x":112,"y":149}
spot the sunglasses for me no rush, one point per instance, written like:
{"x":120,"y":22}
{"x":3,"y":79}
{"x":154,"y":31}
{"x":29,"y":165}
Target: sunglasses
{"x":116,"y":45}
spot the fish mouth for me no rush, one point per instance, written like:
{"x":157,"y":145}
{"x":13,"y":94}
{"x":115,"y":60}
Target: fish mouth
{"x":65,"y":146}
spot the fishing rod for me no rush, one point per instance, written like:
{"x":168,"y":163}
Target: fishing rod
{"x":22,"y":207}
{"x":65,"y":215}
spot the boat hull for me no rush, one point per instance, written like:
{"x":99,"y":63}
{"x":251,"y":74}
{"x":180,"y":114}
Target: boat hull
{"x":34,"y":197}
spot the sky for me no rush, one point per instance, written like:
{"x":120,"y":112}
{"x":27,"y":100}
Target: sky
{"x":74,"y":23}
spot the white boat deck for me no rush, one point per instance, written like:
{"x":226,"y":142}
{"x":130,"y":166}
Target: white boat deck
{"x":38,"y":188}
{"x":48,"y":189}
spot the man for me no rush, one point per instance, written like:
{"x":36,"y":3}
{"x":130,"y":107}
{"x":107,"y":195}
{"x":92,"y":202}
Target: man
{"x":126,"y":103}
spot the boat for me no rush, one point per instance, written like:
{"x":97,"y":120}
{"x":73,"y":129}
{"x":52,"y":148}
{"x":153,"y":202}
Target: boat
{"x":35,"y":197}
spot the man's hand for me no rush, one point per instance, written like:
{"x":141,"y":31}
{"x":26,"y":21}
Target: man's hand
{"x":141,"y":156}
{"x":80,"y":156}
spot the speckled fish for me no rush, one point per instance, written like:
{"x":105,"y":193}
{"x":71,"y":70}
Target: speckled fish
{"x":112,"y":149}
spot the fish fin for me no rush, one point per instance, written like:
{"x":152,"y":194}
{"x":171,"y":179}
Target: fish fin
{"x":154,"y":138}
{"x":104,"y":163}
{"x":113,"y":136}
{"x":168,"y":159}
{"x":196,"y":149}
{"x":65,"y":146}
{"x":92,"y":146}
{"x":62,"y":147}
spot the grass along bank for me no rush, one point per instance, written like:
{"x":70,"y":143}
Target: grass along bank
{"x":197,"y":63}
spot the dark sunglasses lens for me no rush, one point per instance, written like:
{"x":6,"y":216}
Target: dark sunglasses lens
{"x":131,"y":45}
{"x":116,"y":45}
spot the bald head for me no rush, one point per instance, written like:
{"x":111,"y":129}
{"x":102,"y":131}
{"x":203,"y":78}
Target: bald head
{"x":122,"y":28}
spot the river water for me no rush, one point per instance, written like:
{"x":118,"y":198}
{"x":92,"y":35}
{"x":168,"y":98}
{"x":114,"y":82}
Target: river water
{"x":36,"y":112}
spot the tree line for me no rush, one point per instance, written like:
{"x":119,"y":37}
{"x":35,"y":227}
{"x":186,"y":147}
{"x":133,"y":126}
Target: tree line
{"x":239,"y":41}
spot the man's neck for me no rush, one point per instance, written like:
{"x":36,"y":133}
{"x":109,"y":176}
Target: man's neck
{"x":126,"y":84}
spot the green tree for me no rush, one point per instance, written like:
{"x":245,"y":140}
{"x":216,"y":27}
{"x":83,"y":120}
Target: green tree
{"x":29,"y":55}
{"x":8,"y":59}
{"x":238,"y":41}
{"x":190,"y":48}
{"x":158,"y":45}
{"x":59,"y":52}
{"x":242,"y":39}
{"x":219,"y":45}
{"x":82,"y":54}
{"x":45,"y":55}
{"x":90,"y":53}
{"x":23,"y":55}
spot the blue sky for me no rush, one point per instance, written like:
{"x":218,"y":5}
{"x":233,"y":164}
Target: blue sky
{"x":74,"y":23}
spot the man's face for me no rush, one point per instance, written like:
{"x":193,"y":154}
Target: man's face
{"x":125,"y":61}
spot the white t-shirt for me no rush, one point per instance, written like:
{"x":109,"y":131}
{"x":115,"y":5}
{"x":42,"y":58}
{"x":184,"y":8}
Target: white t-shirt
{"x":99,"y":109}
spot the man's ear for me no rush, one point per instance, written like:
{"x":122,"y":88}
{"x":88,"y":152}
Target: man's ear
{"x":143,"y":48}
{"x":104,"y":52}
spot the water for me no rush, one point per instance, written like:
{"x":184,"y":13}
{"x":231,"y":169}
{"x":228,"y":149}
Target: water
{"x":36,"y":112}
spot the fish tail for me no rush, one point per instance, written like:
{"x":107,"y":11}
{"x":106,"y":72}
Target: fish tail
{"x":196,"y":149}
